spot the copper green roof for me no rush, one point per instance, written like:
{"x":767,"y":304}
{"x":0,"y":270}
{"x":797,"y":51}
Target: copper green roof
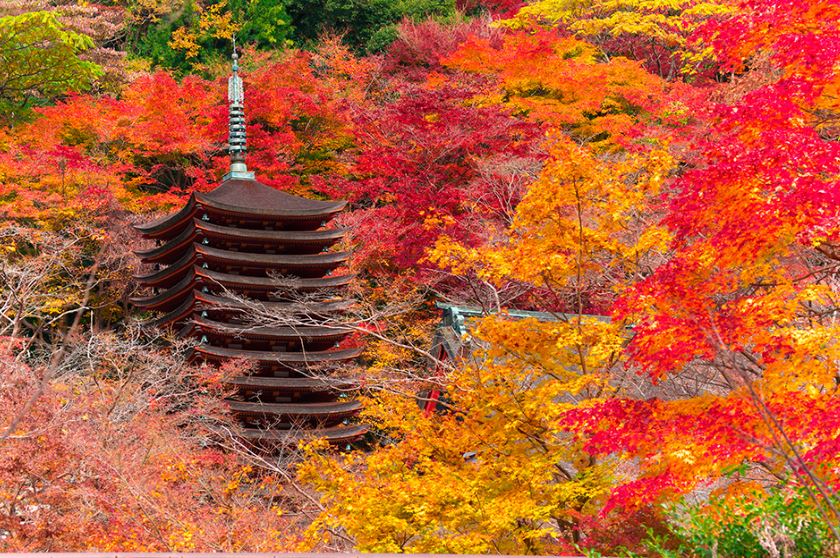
{"x":456,"y":321}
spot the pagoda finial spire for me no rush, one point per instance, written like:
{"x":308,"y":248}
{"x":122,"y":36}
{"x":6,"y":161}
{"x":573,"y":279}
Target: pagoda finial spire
{"x":236,"y":135}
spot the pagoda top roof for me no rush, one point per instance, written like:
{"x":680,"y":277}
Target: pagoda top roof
{"x":246,"y":197}
{"x":253,"y":197}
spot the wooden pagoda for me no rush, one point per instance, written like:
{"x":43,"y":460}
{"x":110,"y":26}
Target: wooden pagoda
{"x":244,"y":242}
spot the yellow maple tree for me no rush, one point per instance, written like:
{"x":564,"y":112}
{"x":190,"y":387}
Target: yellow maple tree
{"x":496,"y":472}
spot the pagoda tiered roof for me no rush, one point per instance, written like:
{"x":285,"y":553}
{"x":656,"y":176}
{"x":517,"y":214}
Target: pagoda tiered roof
{"x":247,"y":244}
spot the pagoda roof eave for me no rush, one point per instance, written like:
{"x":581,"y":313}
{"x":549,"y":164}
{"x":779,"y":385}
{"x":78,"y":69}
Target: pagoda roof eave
{"x":270,"y":283}
{"x":283,"y":357}
{"x":293,"y":261}
{"x":333,"y":435}
{"x":182,"y":312}
{"x":159,"y":227}
{"x":155,"y":255}
{"x":160,"y":300}
{"x":291,"y":384}
{"x":279,"y":214}
{"x":291,"y":237}
{"x":265,"y":201}
{"x":182,"y":265}
{"x":321,"y":409}
{"x":214,"y":302}
{"x":263,"y":332}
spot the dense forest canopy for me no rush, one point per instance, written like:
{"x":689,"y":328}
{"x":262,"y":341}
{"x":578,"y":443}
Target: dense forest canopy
{"x":657,"y":180}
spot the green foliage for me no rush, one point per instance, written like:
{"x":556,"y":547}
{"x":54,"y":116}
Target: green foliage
{"x":780,"y":522}
{"x":152,"y":41}
{"x":189,"y":34}
{"x":264,"y":23}
{"x":367,"y":25}
{"x":196,"y":33}
{"x":40,"y":61}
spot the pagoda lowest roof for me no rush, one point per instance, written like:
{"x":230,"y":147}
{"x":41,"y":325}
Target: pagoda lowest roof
{"x":335,"y":434}
{"x":247,"y":197}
